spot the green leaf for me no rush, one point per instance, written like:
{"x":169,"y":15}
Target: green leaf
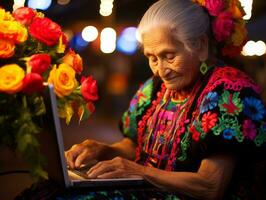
{"x":26,"y":140}
{"x":83,"y":113}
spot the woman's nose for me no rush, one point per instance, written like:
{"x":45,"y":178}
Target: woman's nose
{"x":163,"y":70}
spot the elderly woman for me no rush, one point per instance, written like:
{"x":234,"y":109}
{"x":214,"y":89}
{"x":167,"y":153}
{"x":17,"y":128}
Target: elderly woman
{"x":196,"y":127}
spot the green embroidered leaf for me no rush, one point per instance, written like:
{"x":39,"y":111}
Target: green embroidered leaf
{"x":230,"y":103}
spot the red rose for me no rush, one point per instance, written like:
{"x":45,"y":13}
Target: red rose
{"x":231,"y":50}
{"x":64,"y":39}
{"x":24,"y":15}
{"x":223,"y":26}
{"x":39,"y":63}
{"x":89,"y":89}
{"x":32,"y":82}
{"x":214,"y":6}
{"x":45,"y":30}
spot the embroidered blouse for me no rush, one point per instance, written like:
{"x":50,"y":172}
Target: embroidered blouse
{"x":224,"y":113}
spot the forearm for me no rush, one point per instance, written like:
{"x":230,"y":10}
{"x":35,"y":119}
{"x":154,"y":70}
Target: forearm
{"x":188,"y":183}
{"x":124,"y":148}
{"x":209,"y":182}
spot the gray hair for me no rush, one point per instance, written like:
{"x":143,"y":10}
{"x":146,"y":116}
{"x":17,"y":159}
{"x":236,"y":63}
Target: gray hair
{"x":186,"y":19}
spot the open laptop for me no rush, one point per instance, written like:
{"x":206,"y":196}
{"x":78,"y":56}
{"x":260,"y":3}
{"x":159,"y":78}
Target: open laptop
{"x":52,"y":147}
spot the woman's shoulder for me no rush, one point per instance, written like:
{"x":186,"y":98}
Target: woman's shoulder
{"x":230,"y":106}
{"x":230,"y":78}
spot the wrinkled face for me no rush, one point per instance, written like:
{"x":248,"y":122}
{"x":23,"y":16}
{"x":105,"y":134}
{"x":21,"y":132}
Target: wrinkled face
{"x":177,"y":67}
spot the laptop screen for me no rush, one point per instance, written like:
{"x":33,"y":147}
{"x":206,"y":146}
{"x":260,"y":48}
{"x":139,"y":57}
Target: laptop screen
{"x":51,"y":141}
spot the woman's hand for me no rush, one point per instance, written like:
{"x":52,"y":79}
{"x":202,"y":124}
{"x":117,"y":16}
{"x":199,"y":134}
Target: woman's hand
{"x":84,"y":152}
{"x":116,"y":168}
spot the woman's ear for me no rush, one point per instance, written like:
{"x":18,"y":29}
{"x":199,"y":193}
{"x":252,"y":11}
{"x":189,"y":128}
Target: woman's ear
{"x":203,"y":53}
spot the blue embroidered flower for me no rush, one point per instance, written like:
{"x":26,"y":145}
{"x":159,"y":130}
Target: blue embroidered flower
{"x":209,"y":102}
{"x":254,"y":108}
{"x":228,"y":133}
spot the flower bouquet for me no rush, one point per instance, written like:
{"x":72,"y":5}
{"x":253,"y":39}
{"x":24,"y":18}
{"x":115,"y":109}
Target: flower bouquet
{"x":34,"y":52}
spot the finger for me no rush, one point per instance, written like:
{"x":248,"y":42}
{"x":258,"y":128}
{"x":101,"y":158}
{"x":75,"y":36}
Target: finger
{"x":81,"y":159}
{"x":70,"y":159}
{"x":112,"y":174}
{"x":100,"y":169}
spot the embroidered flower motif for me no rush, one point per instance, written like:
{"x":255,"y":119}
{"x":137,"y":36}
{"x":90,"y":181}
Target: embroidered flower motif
{"x":195,"y":133}
{"x":230,"y":103}
{"x":254,"y":108}
{"x":209,"y":102}
{"x":228,"y":133}
{"x":249,"y":129}
{"x":208,"y":121}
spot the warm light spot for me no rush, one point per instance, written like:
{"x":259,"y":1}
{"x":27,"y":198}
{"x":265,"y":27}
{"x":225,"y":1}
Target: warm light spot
{"x":89,"y":33}
{"x":108,"y":40}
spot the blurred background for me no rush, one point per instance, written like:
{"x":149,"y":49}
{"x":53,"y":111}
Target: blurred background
{"x":103,"y":32}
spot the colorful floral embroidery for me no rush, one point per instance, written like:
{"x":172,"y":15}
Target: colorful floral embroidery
{"x":209,"y":102}
{"x":195,"y":133}
{"x":208,"y":121}
{"x":254,"y":108}
{"x":249,"y":129}
{"x":230,"y":103}
{"x":228,"y":133}
{"x":227,"y":108}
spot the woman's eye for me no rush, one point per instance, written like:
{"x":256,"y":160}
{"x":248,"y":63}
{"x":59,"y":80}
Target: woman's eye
{"x":153,"y":58}
{"x":170,"y":56}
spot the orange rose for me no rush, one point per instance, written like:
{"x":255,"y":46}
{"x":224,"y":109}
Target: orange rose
{"x":235,"y":9}
{"x":6,"y":48}
{"x":11,"y":78}
{"x":63,"y":79}
{"x":74,"y":60}
{"x":239,"y":35}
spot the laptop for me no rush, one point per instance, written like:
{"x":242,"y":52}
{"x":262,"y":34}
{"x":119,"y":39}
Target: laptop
{"x":52,"y":147}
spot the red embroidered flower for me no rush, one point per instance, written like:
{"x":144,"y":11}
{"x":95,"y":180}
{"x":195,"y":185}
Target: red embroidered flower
{"x":195,"y":133}
{"x":45,"y":30}
{"x":249,"y":129}
{"x":208,"y":121}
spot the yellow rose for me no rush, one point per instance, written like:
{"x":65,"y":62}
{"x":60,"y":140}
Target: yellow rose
{"x":11,"y":78}
{"x":6,"y":15}
{"x":13,"y":30}
{"x":63,"y":79}
{"x":6,"y":49}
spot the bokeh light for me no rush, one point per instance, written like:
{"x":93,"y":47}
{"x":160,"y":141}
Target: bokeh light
{"x":108,"y":40}
{"x":127,"y":42}
{"x":89,"y":33}
{"x":40,"y":4}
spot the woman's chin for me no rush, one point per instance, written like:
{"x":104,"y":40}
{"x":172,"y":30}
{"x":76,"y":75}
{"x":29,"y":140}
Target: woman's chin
{"x":173,"y":86}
